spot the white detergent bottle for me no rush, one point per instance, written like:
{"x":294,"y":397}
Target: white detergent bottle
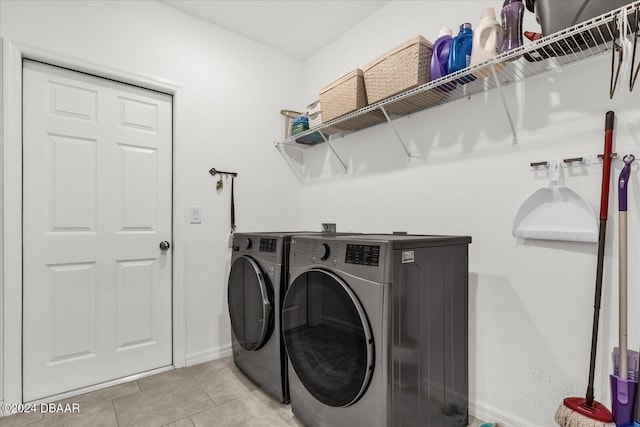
{"x":487,"y":42}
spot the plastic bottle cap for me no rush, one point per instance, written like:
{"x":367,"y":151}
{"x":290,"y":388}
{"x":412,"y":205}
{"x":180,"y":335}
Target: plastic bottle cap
{"x":445,"y":31}
{"x":465,"y":26}
{"x":488,"y":13}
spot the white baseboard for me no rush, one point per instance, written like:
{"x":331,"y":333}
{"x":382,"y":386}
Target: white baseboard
{"x":487,"y":413}
{"x":208,"y":355}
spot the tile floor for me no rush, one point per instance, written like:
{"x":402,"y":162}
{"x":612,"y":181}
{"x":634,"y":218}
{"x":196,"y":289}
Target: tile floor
{"x":210,"y":394}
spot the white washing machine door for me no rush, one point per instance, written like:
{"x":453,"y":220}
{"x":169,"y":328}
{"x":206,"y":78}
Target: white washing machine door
{"x":328,"y":338}
{"x":250,"y":299}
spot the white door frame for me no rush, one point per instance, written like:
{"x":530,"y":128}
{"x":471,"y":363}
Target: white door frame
{"x":11,"y":204}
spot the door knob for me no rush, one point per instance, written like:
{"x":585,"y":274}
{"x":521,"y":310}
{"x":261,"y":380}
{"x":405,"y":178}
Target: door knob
{"x":164,"y":245}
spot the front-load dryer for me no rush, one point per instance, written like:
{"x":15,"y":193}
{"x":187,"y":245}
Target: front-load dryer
{"x":375,"y":327}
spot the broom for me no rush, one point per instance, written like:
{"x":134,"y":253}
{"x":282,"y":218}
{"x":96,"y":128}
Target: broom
{"x":586,"y":412}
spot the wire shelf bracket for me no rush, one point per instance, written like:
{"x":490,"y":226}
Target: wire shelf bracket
{"x":504,"y":103}
{"x":335,"y":153}
{"x":395,"y":131}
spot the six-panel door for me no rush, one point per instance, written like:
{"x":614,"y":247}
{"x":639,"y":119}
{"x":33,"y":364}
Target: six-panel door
{"x":97,"y":190}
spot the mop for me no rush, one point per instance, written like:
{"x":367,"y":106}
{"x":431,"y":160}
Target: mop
{"x":623,"y":388}
{"x":587,"y":412}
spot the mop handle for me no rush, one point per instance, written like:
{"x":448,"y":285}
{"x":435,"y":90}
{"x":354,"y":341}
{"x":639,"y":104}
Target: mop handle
{"x":622,"y":294}
{"x":623,"y":181}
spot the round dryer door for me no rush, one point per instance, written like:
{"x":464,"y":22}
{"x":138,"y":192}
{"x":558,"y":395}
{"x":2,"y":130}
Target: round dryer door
{"x":250,"y":298}
{"x":328,"y":338}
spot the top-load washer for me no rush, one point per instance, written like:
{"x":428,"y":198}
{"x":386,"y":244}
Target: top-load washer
{"x":258,"y":279}
{"x":375,"y":327}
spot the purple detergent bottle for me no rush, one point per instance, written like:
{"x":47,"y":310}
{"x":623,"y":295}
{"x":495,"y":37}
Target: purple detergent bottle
{"x":512,"y":11}
{"x":460,"y":52}
{"x":440,"y":59}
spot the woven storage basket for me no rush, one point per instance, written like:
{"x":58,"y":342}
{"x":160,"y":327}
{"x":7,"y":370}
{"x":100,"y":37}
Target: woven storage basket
{"x":402,"y":68}
{"x":362,"y":121}
{"x":343,"y":96}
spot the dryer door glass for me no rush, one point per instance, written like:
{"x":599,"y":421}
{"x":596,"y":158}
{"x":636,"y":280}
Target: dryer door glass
{"x":250,"y":298}
{"x":328,"y":338}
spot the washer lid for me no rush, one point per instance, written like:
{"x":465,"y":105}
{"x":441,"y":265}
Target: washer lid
{"x":328,"y":338}
{"x":250,"y":299}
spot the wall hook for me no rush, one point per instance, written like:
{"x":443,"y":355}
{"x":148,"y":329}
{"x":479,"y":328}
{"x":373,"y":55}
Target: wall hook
{"x":539,"y":165}
{"x":214,"y":172}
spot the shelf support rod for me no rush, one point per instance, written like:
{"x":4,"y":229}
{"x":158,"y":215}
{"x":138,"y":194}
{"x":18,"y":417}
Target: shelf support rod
{"x":328,"y":141}
{"x":504,"y":103}
{"x":395,"y":130}
{"x":298,"y":171}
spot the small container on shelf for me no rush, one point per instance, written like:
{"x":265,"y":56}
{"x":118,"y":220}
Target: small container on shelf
{"x":289,"y":116}
{"x":300,"y":125}
{"x":314,"y":107}
{"x":315,"y":119}
{"x":311,"y":139}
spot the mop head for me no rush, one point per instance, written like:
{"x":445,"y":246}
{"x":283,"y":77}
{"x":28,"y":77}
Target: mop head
{"x":567,"y":417}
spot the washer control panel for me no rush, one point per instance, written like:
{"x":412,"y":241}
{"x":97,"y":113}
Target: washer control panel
{"x":268,"y":245}
{"x":260,"y":246}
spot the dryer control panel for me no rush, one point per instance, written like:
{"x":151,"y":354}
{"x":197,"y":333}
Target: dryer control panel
{"x":350,"y":254}
{"x":363,"y":255}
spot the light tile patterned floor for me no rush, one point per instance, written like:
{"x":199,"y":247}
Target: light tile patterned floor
{"x":210,"y":394}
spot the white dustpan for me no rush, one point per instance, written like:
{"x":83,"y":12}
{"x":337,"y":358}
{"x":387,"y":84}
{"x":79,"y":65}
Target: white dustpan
{"x":556,"y":213}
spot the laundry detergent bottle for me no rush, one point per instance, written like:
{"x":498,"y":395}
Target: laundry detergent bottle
{"x":460,"y":51}
{"x":440,"y":58}
{"x":487,"y":42}
{"x":512,"y":11}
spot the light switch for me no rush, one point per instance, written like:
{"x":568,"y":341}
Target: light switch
{"x":195,"y":215}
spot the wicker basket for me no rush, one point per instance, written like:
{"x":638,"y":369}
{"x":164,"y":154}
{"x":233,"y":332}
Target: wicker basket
{"x":401,"y":69}
{"x":362,"y":121}
{"x":343,"y":96}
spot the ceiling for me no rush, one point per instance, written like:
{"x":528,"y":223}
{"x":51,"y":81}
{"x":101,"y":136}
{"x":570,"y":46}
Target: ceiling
{"x":298,"y":28}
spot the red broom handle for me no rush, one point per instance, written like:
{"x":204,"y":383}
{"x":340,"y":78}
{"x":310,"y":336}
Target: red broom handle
{"x":606,"y":165}
{"x":604,"y":209}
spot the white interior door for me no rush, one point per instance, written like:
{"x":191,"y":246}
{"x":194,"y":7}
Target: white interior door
{"x":97,"y":189}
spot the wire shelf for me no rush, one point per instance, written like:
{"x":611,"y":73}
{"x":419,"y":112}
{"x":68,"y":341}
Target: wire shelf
{"x":572,"y":45}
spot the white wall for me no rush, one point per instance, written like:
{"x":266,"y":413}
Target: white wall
{"x":233,"y":90}
{"x":531,"y":303}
